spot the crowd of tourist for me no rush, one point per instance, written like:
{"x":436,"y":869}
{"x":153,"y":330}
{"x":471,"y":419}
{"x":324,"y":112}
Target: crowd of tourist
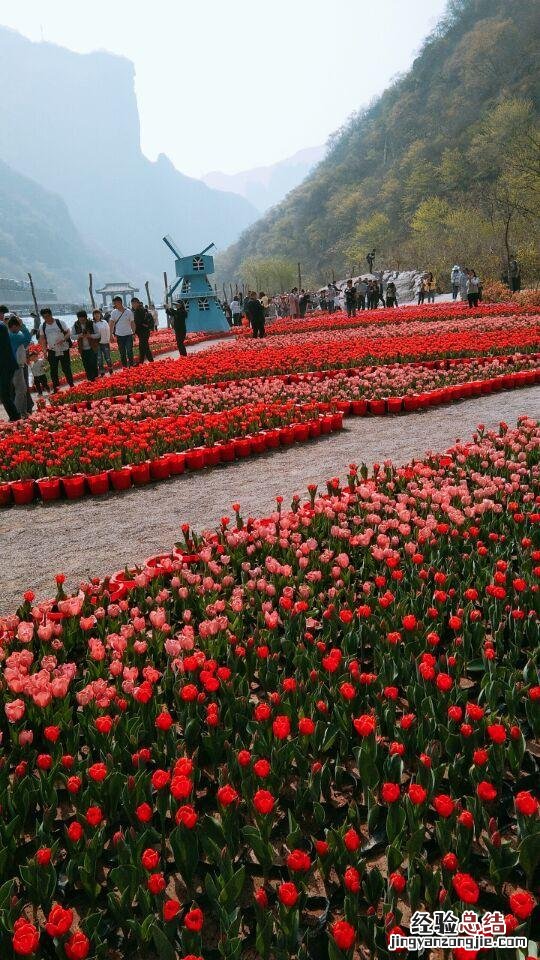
{"x":124,"y":325}
{"x":92,"y":336}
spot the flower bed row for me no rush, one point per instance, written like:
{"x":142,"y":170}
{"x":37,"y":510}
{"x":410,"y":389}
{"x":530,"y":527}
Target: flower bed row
{"x":398,"y":380}
{"x":409,"y":314}
{"x":332,"y":349}
{"x":102,"y":453}
{"x":290,"y":735}
{"x":161,"y":341}
{"x":75,"y":486}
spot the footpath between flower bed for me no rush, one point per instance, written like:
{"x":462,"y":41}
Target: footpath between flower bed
{"x":290,"y":733}
{"x":47,"y":489}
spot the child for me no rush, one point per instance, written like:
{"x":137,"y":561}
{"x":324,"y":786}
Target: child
{"x":39,"y":374}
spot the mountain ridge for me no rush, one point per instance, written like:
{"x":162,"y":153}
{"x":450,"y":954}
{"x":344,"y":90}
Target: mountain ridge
{"x":413,"y":144}
{"x":266,"y":185}
{"x":71,"y":124}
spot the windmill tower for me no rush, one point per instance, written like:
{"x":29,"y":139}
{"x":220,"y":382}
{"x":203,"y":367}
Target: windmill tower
{"x":204,"y":311}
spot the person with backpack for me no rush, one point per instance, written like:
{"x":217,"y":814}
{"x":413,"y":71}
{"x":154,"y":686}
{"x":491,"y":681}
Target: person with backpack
{"x":144,"y":326}
{"x":391,"y":294}
{"x":8,"y":367}
{"x":430,"y":288}
{"x":20,"y":338}
{"x":55,"y":342}
{"x":122,"y":327}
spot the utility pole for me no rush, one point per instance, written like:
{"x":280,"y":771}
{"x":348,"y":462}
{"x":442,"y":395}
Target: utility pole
{"x":166,"y":283}
{"x":299,"y":278}
{"x":91,"y":290}
{"x":36,"y":308}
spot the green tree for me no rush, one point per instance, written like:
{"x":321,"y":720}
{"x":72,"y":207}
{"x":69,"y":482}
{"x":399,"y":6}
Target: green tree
{"x":271,"y":274}
{"x":506,"y":153}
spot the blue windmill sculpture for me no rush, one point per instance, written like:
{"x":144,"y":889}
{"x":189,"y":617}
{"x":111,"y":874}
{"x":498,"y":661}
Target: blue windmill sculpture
{"x":204,"y":311}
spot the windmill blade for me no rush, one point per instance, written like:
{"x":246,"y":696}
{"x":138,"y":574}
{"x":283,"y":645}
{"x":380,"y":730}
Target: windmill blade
{"x":174,"y":286}
{"x":168,"y":240}
{"x":206,"y":249}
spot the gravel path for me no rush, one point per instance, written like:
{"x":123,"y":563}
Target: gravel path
{"x":97,"y":536}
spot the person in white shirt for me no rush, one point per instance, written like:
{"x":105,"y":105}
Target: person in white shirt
{"x":55,"y":342}
{"x":122,"y":326}
{"x":104,"y":344}
{"x":154,"y":314}
{"x":39,"y":375}
{"x":236,"y":310}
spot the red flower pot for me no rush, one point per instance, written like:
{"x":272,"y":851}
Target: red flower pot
{"x":212,"y":456}
{"x":140,"y":473}
{"x":314,"y":428}
{"x":188,"y":558}
{"x":177,"y":464}
{"x":272,"y":439}
{"x":226,"y":453}
{"x":258,"y":443}
{"x":49,"y":488}
{"x":98,"y":483}
{"x":75,"y":486}
{"x":159,"y":468}
{"x":377,"y":407}
{"x":121,"y":478}
{"x":394,"y":404}
{"x":359,"y":407}
{"x":286,"y":436}
{"x":242,"y":447}
{"x":411,"y":403}
{"x":5,"y":494}
{"x":195,"y":459}
{"x":326,"y":423}
{"x":301,"y":432}
{"x":337,"y":420}
{"x":122,"y":581}
{"x":344,"y":406}
{"x":158,"y":561}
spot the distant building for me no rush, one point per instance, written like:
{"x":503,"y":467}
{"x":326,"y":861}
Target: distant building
{"x":124,"y":290}
{"x":17,"y":295}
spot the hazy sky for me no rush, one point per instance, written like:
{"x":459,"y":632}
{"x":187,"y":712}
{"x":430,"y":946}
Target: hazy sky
{"x":232,"y":84}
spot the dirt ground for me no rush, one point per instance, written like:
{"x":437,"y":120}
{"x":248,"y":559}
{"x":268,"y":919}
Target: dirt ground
{"x":98,"y":536}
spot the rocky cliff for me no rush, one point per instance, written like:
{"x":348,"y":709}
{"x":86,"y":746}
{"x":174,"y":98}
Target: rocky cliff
{"x":70,"y":122}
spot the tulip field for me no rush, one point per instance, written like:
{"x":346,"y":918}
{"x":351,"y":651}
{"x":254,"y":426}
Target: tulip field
{"x":284,"y":736}
{"x":245,"y":396}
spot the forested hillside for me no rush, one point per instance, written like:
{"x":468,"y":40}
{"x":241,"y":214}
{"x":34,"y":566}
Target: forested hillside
{"x":444,"y":166}
{"x":38,"y":234}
